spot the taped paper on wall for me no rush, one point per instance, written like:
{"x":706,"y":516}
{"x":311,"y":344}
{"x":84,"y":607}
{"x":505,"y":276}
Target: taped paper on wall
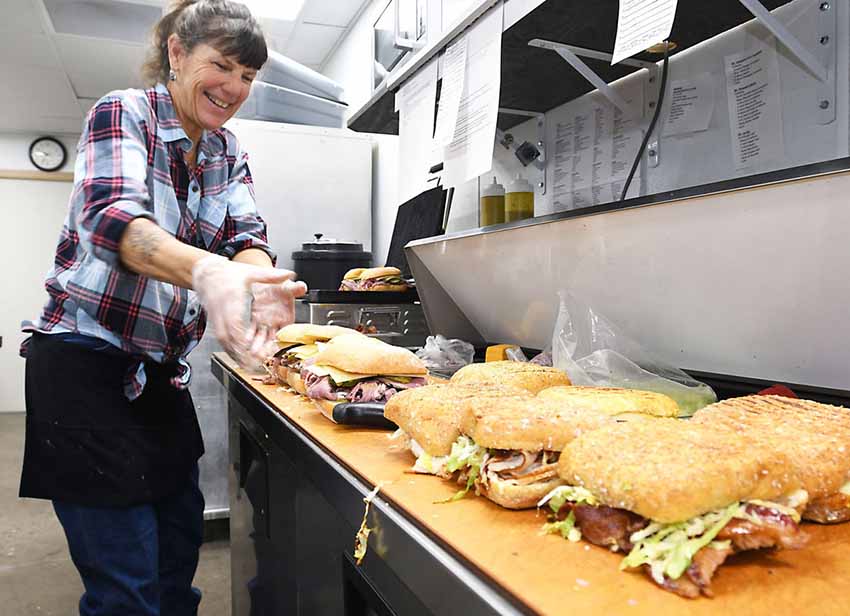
{"x":416,"y":100}
{"x":755,"y":113}
{"x":691,"y":105}
{"x":454,"y":70}
{"x":641,"y":24}
{"x":470,"y":153}
{"x":594,"y":151}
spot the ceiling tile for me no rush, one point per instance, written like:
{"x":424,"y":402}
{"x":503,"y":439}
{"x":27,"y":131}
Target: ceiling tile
{"x":41,"y":96}
{"x":311,"y":43}
{"x":277,"y":33}
{"x":21,"y":16}
{"x":336,"y":13}
{"x":27,"y":49}
{"x":96,"y":67}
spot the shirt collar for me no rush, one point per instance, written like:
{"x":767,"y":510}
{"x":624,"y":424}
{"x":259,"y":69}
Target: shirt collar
{"x":171,"y":130}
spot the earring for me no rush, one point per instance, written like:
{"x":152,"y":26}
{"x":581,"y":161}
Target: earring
{"x":172,"y":75}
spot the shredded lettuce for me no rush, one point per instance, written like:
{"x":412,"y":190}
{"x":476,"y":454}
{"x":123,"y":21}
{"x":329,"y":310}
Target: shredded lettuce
{"x":361,"y":539}
{"x":465,"y":454}
{"x":575,"y":494}
{"x":566,"y":528}
{"x":669,"y":548}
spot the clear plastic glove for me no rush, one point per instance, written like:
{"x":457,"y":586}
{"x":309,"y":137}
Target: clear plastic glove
{"x":245,"y":304}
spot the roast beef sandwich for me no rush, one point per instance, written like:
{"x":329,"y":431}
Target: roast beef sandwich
{"x":356,"y":368}
{"x":297,"y":342}
{"x":525,"y":375}
{"x":374,"y":279}
{"x":815,"y":437}
{"x":678,"y":498}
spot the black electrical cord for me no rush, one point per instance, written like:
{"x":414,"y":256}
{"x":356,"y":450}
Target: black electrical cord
{"x":652,"y":124}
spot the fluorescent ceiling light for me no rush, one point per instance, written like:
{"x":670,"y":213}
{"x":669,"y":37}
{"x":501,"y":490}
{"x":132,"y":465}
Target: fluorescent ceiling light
{"x":284,"y":10}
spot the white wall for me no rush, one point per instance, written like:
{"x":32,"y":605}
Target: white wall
{"x":36,"y":209}
{"x":14,"y":151}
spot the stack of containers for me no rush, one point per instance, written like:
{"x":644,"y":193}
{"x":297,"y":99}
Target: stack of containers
{"x":286,"y":91}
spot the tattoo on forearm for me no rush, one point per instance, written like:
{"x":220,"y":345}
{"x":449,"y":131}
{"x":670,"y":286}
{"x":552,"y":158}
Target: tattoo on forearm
{"x":145,"y":240}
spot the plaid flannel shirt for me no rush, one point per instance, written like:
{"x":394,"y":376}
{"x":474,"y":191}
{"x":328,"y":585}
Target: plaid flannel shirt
{"x":130,"y":165}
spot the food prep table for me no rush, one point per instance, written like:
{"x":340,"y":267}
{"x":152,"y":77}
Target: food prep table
{"x":297,"y":484}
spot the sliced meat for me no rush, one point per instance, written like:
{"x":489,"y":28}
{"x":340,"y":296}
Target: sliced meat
{"x":318,"y":387}
{"x":684,"y":586}
{"x":776,"y":530}
{"x":703,"y":566}
{"x":829,"y":509}
{"x":538,"y":474}
{"x":607,"y":526}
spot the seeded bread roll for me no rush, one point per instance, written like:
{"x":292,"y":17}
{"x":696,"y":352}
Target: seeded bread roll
{"x":815,"y":437}
{"x":611,"y":400}
{"x":431,"y":414}
{"x":531,"y":377}
{"x":511,"y":494}
{"x":671,"y":470}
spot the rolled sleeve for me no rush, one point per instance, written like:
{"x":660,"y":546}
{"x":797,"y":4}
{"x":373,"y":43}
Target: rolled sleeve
{"x":243,"y":226}
{"x":110,"y":183}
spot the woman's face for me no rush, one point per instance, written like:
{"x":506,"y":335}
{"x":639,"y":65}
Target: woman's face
{"x":210,"y":87}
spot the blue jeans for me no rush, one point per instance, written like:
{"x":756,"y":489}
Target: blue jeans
{"x":137,"y":561}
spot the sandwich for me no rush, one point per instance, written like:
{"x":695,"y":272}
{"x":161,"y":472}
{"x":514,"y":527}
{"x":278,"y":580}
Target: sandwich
{"x":500,"y":440}
{"x":677,"y":498}
{"x":297,"y":342}
{"x":612,"y":400}
{"x":531,"y":377}
{"x":374,"y":279}
{"x":429,"y":420}
{"x":521,"y":441}
{"x":356,"y":368}
{"x":814,"y":436}
{"x":351,"y":279}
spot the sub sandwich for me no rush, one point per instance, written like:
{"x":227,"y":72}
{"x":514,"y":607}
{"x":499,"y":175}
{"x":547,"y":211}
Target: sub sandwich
{"x":677,"y":498}
{"x":506,"y":441}
{"x":356,"y":368}
{"x":815,"y":437}
{"x":298,"y":342}
{"x":373,"y":279}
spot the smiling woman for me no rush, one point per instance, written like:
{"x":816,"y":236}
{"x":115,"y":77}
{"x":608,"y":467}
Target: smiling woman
{"x":162,"y":235}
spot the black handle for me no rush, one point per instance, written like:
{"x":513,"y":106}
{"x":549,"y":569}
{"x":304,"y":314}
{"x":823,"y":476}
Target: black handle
{"x":369,"y":414}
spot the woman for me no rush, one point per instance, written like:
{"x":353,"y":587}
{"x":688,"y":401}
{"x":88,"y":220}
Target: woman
{"x":162,"y":205}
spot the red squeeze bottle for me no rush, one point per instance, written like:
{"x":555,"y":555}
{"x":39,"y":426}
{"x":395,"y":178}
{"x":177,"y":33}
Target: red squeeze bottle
{"x":777,"y":390}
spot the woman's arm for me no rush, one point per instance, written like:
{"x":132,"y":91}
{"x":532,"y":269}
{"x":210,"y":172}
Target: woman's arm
{"x":254,"y":256}
{"x":149,"y":250}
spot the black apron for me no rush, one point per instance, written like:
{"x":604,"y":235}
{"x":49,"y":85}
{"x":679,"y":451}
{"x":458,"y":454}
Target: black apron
{"x":87,"y":444}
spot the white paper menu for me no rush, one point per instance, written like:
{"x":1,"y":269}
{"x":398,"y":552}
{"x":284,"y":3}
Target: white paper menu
{"x":641,"y":24}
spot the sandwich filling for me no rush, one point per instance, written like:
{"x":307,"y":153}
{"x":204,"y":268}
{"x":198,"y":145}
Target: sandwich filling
{"x":477,"y":467}
{"x":290,"y":358}
{"x":365,"y":285}
{"x":329,"y":383}
{"x":683,"y":556}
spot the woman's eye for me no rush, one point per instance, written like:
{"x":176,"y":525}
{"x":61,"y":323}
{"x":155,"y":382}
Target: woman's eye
{"x":248,"y":79}
{"x":219,"y":65}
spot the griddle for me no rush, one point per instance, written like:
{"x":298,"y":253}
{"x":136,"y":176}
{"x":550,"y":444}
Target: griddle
{"x":329,"y":296}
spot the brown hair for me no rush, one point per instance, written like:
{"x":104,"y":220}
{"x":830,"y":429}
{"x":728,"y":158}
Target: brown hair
{"x":226,"y":25}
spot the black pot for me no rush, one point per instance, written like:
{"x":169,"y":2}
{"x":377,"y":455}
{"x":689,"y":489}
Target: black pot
{"x":323,"y":263}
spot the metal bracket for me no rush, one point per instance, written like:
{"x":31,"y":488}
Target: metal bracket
{"x":826,"y":99}
{"x":398,"y":40}
{"x":540,"y":162}
{"x":783,"y":34}
{"x":571,"y":53}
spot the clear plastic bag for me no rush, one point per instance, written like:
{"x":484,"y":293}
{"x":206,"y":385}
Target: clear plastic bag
{"x":592,"y":350}
{"x":445,"y":355}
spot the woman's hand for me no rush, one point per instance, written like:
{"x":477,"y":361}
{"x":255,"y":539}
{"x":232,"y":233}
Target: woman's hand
{"x":246,"y":304}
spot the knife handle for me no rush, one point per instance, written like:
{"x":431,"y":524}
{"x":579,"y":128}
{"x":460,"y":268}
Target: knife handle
{"x":369,"y":414}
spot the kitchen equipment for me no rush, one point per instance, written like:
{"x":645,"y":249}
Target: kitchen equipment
{"x":492,"y":211}
{"x":368,"y":414}
{"x":401,"y":323}
{"x":322,"y":263}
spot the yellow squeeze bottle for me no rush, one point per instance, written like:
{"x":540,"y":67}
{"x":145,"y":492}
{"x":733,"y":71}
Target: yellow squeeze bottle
{"x":519,"y":200}
{"x":492,"y":204}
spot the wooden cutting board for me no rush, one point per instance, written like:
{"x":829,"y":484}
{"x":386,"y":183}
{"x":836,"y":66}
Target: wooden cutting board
{"x":554,"y":576}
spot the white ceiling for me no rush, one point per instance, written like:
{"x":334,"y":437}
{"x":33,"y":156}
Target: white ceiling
{"x":52,"y":78}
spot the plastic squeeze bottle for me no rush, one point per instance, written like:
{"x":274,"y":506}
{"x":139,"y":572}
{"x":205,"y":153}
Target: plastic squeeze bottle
{"x":492,"y":204}
{"x":519,"y":200}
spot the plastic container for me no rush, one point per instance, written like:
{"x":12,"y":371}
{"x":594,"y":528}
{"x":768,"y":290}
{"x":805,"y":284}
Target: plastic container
{"x":277,"y":104}
{"x":492,"y":204}
{"x":287,"y":73}
{"x":519,"y":200}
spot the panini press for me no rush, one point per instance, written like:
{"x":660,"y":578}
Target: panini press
{"x":391,"y":316}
